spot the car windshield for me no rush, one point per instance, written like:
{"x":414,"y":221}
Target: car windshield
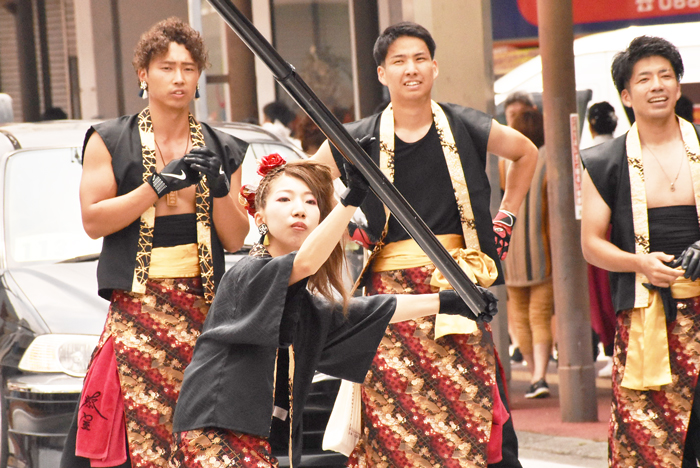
{"x":42,"y":209}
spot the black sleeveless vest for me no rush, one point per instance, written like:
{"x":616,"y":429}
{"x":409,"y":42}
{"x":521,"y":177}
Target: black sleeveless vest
{"x":118,"y":257}
{"x":470,"y":129}
{"x":607,"y":166}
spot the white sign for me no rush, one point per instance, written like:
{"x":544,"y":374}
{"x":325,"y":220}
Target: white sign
{"x":576,"y":162}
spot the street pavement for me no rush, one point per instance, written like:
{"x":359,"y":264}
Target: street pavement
{"x":545,"y":441}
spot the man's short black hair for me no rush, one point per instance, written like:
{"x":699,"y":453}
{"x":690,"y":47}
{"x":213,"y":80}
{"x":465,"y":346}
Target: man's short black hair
{"x":395,"y":31}
{"x":602,"y":118}
{"x":277,"y":110}
{"x":640,"y":48}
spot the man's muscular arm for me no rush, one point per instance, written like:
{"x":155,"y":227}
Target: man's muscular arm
{"x":325,"y":156}
{"x":597,"y":250}
{"x":102,"y":211}
{"x":514,"y":146}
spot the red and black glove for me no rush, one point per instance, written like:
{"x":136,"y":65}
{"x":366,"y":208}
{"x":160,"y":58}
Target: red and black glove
{"x":502,"y":228}
{"x":359,"y":235}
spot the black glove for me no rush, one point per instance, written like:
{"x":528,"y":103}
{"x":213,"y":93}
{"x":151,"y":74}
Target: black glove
{"x":176,"y":175}
{"x":366,"y":143}
{"x":689,"y":260}
{"x":209,"y":163}
{"x":451,"y":303}
{"x":358,"y":187}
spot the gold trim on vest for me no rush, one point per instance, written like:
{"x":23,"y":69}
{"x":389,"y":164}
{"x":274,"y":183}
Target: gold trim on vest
{"x":202,"y":210}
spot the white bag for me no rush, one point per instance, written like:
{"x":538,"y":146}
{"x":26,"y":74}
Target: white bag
{"x":345,"y":423}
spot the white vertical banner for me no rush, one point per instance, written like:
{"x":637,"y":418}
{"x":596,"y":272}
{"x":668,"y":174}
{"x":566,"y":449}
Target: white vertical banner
{"x":576,"y":162}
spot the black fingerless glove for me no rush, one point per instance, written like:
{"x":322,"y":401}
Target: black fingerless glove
{"x":176,"y":175}
{"x":452,"y":304}
{"x":689,"y":260}
{"x":358,"y":187}
{"x":208,"y":163}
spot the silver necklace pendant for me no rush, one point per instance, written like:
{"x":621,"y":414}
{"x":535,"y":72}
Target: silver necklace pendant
{"x":673,"y":189}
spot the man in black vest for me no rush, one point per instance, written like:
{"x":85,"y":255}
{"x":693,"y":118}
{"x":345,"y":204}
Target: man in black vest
{"x":434,"y":394}
{"x":161,"y":189}
{"x":646,"y":185}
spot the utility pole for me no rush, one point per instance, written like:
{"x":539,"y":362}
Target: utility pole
{"x":577,"y":392}
{"x":27,"y":62}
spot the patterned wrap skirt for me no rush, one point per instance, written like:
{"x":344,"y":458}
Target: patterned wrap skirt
{"x":648,"y":428}
{"x":425,"y":402}
{"x":154,"y":336}
{"x":219,"y":448}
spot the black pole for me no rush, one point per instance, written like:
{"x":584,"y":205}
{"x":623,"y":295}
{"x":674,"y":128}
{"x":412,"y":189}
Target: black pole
{"x":296,"y":87}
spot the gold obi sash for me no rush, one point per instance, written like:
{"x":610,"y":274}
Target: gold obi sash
{"x":478,"y":266}
{"x":180,"y":261}
{"x":648,"y":365}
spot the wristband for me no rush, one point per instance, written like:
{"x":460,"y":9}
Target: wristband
{"x":158,"y":184}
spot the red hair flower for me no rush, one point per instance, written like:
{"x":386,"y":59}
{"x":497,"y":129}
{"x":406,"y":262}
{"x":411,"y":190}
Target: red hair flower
{"x":246,"y":197}
{"x":269,"y":162}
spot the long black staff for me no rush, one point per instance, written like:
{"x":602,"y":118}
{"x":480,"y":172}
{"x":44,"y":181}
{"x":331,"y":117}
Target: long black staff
{"x":296,"y":87}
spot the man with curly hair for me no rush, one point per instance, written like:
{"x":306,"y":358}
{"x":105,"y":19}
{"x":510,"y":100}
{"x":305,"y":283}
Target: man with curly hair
{"x":434,"y":395}
{"x":646,"y":185}
{"x":160,"y":188}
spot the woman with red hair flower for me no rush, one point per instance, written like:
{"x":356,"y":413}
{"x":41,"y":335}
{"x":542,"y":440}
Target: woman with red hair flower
{"x":239,"y":390}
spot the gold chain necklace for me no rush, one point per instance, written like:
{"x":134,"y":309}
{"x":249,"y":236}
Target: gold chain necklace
{"x":673,"y":182}
{"x":170,"y":197}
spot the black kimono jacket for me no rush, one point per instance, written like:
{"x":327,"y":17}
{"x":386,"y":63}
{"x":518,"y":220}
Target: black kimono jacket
{"x":230,"y":382}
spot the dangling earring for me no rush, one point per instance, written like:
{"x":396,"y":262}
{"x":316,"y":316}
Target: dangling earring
{"x":196,"y":93}
{"x":263,"y":230}
{"x":143,"y":94}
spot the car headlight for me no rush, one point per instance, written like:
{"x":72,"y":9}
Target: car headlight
{"x":69,"y":354}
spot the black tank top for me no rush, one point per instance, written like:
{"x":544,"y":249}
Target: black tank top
{"x":169,"y":231}
{"x":423,"y":165}
{"x":673,"y":228}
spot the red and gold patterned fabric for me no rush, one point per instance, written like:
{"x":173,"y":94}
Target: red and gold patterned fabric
{"x":154,"y":336}
{"x":219,"y":448}
{"x":426,"y":402}
{"x":648,"y":428}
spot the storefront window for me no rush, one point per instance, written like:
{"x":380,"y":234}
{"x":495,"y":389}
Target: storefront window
{"x":218,"y":102}
{"x":314,"y":36}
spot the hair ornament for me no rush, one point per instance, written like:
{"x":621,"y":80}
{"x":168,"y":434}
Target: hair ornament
{"x":246,"y":197}
{"x":269,"y":162}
